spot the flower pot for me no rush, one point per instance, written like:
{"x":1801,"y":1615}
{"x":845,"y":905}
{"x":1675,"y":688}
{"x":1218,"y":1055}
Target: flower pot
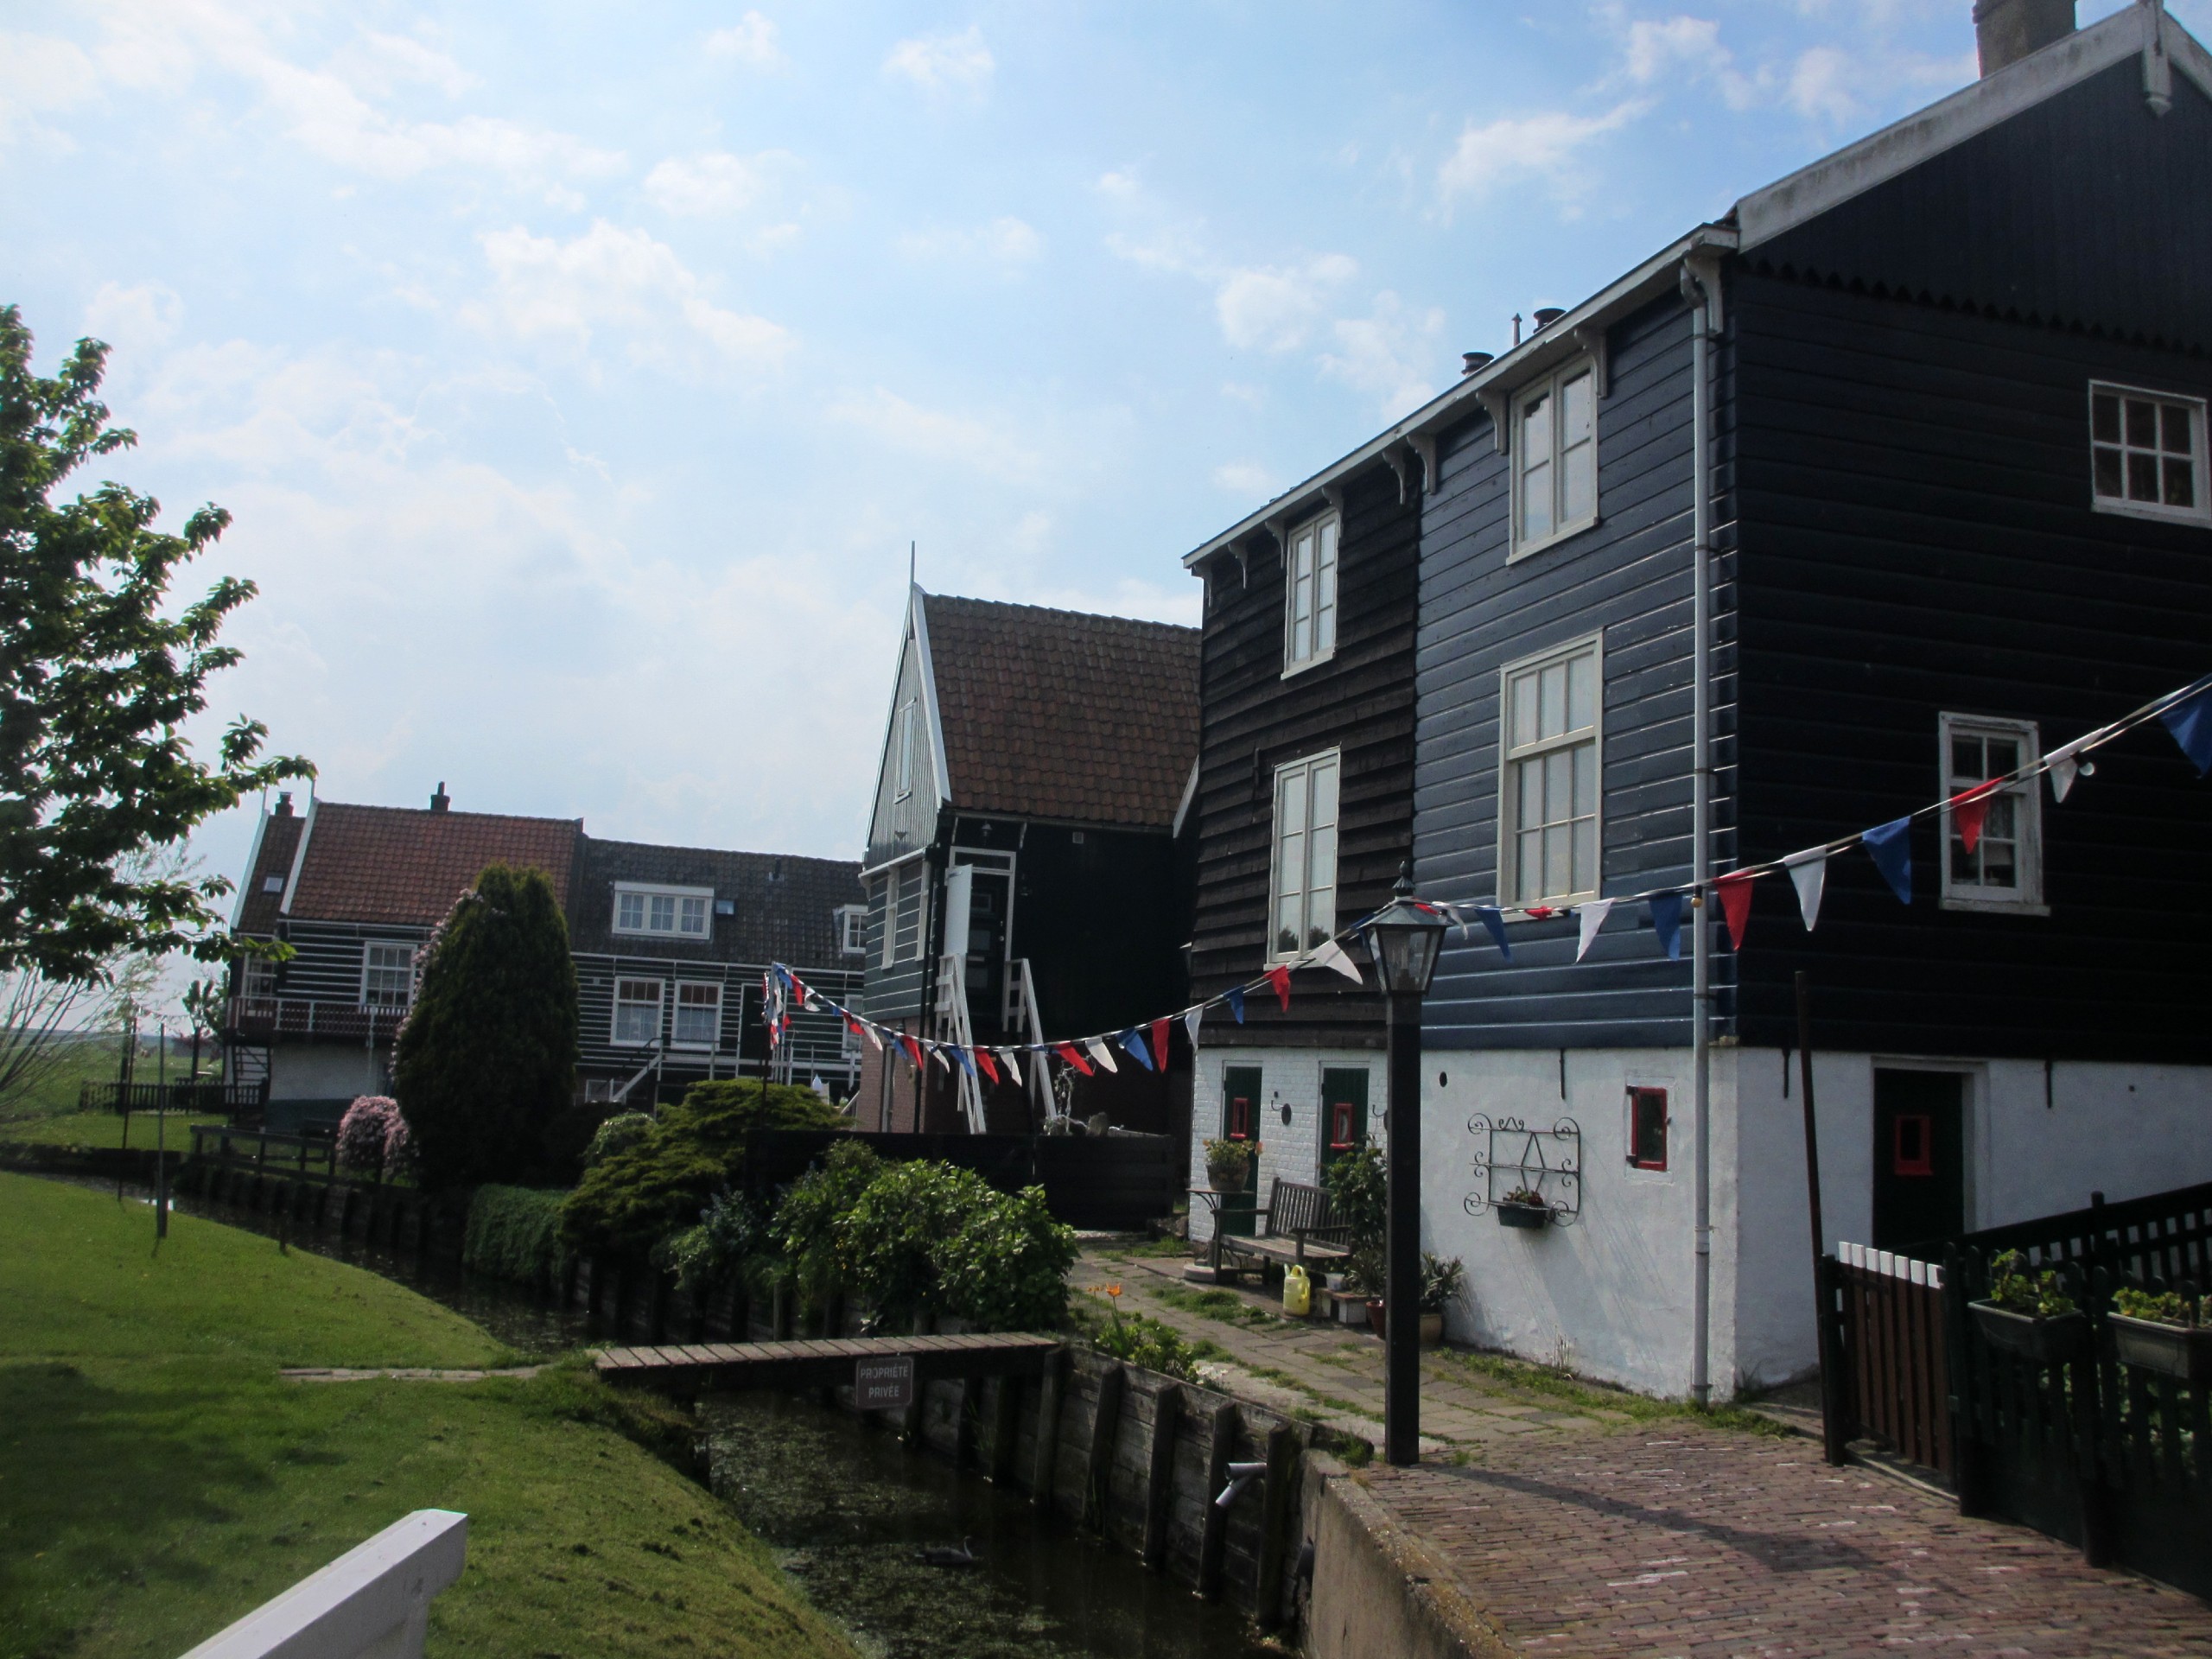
{"x":1375,"y":1319}
{"x":1523,"y":1215}
{"x":2040,"y":1341}
{"x":1229,"y":1177}
{"x":1350,"y":1309}
{"x":1432,"y":1329}
{"x":2180,"y":1351}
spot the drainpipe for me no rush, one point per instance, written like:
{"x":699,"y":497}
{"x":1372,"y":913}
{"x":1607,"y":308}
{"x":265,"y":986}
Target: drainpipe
{"x":1700,"y":288}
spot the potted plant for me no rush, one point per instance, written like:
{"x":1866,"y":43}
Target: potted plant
{"x":2164,"y":1332}
{"x":1441,"y":1284}
{"x":1523,"y":1207}
{"x":2029,"y":1315}
{"x":1229,"y":1164}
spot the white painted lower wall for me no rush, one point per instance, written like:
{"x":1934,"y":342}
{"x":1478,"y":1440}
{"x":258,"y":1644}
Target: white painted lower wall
{"x":1289,"y":1117}
{"x":326,"y":1071}
{"x":1611,"y":1294}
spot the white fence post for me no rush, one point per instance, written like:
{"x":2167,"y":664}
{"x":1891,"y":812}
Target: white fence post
{"x":373,"y":1602}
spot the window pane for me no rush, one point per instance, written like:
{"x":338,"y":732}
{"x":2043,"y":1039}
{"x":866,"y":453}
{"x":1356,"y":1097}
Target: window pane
{"x":2109,"y":471}
{"x":2176,"y":428}
{"x":694,"y":916}
{"x":1536,"y":503}
{"x":1320,"y":916}
{"x":631,"y":910}
{"x":1585,"y":779}
{"x":1325,"y":795}
{"x":1966,"y":760}
{"x":1559,"y":786}
{"x":1523,"y":693}
{"x":2104,"y":417}
{"x":1529,"y":785}
{"x":1586,"y":855}
{"x":2002,"y":756}
{"x":663,"y":911}
{"x":1579,"y":484}
{"x":1530,"y":884}
{"x":1551,"y":708}
{"x":1574,"y":411}
{"x":2181,"y":484}
{"x":2000,"y":865}
{"x":2142,"y":478}
{"x":1325,"y":603}
{"x":1559,"y":867}
{"x":1581,"y":692}
{"x":2003,"y":819}
{"x":1535,"y":431}
{"x":2142,"y":423}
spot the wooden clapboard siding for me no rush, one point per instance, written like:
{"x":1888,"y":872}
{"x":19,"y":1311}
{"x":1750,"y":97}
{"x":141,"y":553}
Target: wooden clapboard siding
{"x":1253,"y":720}
{"x":1628,"y":579}
{"x":1917,"y":538}
{"x":326,"y":959}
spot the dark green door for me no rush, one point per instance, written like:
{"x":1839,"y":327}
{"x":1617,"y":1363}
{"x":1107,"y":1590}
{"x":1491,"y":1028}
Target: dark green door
{"x":1920,"y":1175}
{"x":1343,"y":1112}
{"x":1240,"y":1121}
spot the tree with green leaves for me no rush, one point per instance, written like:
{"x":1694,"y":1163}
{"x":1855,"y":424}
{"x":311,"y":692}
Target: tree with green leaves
{"x":488,"y":1055}
{"x":98,"y":675}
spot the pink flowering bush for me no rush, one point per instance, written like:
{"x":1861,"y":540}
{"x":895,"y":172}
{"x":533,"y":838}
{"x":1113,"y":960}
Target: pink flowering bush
{"x":372,"y":1137}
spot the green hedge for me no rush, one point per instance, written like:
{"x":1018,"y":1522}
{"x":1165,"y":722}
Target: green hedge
{"x":514,"y":1232}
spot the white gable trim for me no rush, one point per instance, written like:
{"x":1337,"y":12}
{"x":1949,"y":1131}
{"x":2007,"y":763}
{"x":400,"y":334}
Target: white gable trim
{"x":252,"y":863}
{"x":299,"y":858}
{"x":1897,"y":149}
{"x":1190,"y":794}
{"x":928,"y":673}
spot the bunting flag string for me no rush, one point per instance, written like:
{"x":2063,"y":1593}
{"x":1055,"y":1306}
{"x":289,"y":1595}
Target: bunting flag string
{"x":2186,"y":713}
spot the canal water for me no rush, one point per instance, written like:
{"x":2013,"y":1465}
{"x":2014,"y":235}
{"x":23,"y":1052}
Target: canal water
{"x":846,"y":1508}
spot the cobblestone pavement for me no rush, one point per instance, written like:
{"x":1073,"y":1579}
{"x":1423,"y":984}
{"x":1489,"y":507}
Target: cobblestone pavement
{"x":1584,"y":1530}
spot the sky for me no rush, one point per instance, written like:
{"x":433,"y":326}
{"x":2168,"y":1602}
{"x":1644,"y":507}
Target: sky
{"x":578,"y":375}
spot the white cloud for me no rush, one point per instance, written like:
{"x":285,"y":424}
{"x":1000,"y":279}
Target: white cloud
{"x":1121,"y":186}
{"x":1819,"y":87}
{"x":39,"y":74}
{"x":1387,"y":353}
{"x":936,"y":434}
{"x":710,"y":185}
{"x":944,"y":63}
{"x":1273,"y":308}
{"x":139,"y":318}
{"x":1547,"y":146}
{"x":383,"y":63}
{"x":623,"y":281}
{"x":1011,"y":244}
{"x":751,"y":39}
{"x":1249,"y":478}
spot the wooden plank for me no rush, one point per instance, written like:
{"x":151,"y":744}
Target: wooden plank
{"x":1105,"y":1429}
{"x":1275,"y":1526}
{"x":1214,"y":1535}
{"x":1005,"y":1427}
{"x":1160,"y":1475}
{"x":1052,"y":1400}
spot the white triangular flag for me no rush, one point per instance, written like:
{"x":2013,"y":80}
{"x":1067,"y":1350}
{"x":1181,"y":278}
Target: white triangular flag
{"x":874,"y":1034}
{"x":1101,"y":1053}
{"x":1332,"y":955}
{"x":1808,"y":873}
{"x":1593,"y":917}
{"x":1191,"y":1019}
{"x":937,"y":1053}
{"x":1012,"y":1066}
{"x":2065,"y":764}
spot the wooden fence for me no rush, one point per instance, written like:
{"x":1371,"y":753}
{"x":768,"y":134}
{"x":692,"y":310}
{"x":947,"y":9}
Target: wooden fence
{"x":204,"y":1099}
{"x":1895,"y":1383}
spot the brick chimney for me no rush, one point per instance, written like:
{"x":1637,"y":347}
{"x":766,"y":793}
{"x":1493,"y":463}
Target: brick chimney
{"x":284,"y":805}
{"x":2007,"y":30}
{"x":441,"y":802}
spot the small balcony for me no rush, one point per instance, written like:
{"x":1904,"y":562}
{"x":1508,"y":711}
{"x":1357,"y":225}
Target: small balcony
{"x":308,"y":1019}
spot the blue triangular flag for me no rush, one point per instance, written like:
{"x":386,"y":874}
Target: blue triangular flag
{"x":965,"y":1058}
{"x":1667,"y":922}
{"x":1494,"y":923}
{"x":1235,"y":997}
{"x":2190,"y":721}
{"x":1133,"y":1040}
{"x":1891,"y":847}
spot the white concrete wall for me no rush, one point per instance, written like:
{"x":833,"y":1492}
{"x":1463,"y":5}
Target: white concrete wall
{"x":324,"y":1071}
{"x":1291,"y":1078}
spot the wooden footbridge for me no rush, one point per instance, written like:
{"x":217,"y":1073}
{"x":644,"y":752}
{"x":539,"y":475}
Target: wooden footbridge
{"x":828,"y":1362}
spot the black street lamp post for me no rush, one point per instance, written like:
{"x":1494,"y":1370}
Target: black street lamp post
{"x":1403,"y":937}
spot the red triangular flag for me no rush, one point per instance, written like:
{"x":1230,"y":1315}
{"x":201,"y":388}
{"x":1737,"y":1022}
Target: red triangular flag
{"x":913,"y":1051}
{"x":1279,"y":976}
{"x":990,"y":1066}
{"x":1069,"y":1052}
{"x":1159,"y":1043}
{"x":1735,"y":892}
{"x":1969,"y":811}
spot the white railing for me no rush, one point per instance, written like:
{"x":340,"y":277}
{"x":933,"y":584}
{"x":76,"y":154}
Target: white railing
{"x":952,"y":1002}
{"x":373,"y":1602}
{"x":1891,"y":1265}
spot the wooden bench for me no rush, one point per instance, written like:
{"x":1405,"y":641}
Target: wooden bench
{"x":1298,"y":1228}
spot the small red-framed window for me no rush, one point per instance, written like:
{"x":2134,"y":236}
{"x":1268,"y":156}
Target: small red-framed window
{"x":1343,"y":1127}
{"x":1912,"y":1144}
{"x":1240,"y":1118}
{"x":1647,"y":1128}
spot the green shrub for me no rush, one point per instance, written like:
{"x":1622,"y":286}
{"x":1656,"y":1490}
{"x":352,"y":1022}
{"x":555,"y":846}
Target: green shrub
{"x":888,"y":1243}
{"x":617,"y":1134}
{"x":1139,"y":1340}
{"x":514,"y":1232}
{"x":730,"y":1237}
{"x":487,"y":1056}
{"x":1006,"y":1269}
{"x":1359,"y":1195}
{"x":805,"y":1234}
{"x":630,"y":1200}
{"x":2041,"y":1295}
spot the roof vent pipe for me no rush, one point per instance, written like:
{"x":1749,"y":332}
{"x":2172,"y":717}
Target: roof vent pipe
{"x":441,"y":802}
{"x":1548,"y":314}
{"x":1471,"y":362}
{"x":2004,"y":31}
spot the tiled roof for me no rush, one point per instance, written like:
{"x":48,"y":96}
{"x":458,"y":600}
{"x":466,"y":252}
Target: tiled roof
{"x":1059,"y":714}
{"x":280,"y":839}
{"x":407,"y":864}
{"x":784,"y":909}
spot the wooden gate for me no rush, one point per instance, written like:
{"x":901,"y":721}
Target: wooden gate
{"x":1894,"y":1380}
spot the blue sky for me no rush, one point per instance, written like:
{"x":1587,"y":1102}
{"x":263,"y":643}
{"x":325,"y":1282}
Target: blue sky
{"x":579,"y":374}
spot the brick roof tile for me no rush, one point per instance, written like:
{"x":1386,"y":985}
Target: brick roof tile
{"x":407,"y":864}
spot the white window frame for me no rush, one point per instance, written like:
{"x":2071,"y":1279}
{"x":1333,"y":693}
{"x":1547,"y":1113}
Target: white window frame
{"x":909,"y":720}
{"x":852,"y":929}
{"x":1307,"y":766}
{"x":2200,"y":513}
{"x":1305,"y":648}
{"x":1510,"y":757}
{"x":676,"y":1039}
{"x":258,"y":976}
{"x":658,"y":1004}
{"x":2027,"y":899}
{"x":1549,"y":387}
{"x":649,"y":891}
{"x":370,"y":965}
{"x":894,"y":883}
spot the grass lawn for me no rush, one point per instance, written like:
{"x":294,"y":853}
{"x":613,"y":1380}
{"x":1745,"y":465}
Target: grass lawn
{"x":75,"y":1128}
{"x":157,"y":1480}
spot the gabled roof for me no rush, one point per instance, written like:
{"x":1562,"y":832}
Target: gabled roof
{"x":1060,"y":714}
{"x":407,"y":865}
{"x":782,"y":908}
{"x":261,"y":898}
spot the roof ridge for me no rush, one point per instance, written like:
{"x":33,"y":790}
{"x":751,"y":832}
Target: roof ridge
{"x":1054,"y":610}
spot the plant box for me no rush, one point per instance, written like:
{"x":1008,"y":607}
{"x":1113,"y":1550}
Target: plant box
{"x":1229,"y":1177}
{"x":2180,"y":1351}
{"x":1432,"y":1330}
{"x":1523,"y":1215}
{"x":2039,"y":1341}
{"x":1350,"y":1309}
